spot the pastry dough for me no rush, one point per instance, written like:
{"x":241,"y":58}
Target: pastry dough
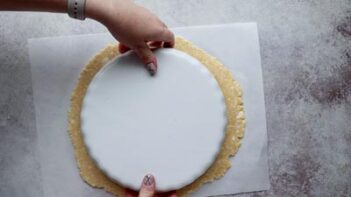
{"x":235,"y":119}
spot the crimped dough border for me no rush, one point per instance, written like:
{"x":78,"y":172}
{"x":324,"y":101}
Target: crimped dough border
{"x":92,"y":175}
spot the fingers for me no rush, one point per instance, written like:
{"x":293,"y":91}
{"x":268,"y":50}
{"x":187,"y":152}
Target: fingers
{"x":164,"y":35}
{"x":155,"y":44}
{"x":167,"y":37}
{"x":169,"y":44}
{"x":148,"y":187}
{"x":173,"y":194}
{"x":147,"y":57}
{"x":131,"y":193}
{"x":122,"y":48}
{"x":168,"y":194}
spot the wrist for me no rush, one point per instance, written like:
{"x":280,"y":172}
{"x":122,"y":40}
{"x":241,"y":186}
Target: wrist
{"x":105,"y":10}
{"x":94,"y":9}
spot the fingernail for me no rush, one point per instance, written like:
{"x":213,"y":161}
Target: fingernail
{"x":151,"y":67}
{"x":148,"y":180}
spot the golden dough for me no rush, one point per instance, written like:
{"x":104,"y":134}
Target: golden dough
{"x":92,"y":175}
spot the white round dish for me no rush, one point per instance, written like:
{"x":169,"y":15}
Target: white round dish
{"x":170,"y":125}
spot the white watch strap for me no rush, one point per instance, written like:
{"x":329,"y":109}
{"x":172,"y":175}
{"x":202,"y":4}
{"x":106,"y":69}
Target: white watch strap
{"x":76,"y":9}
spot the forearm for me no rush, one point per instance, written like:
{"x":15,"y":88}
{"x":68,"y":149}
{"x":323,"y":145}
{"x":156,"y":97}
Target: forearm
{"x":95,"y":9}
{"x":34,"y":5}
{"x":133,"y":26}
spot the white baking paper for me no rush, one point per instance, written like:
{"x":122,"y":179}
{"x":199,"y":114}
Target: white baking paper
{"x":56,"y":63}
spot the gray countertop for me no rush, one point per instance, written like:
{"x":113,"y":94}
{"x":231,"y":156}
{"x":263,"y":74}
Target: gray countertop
{"x":306,"y":60}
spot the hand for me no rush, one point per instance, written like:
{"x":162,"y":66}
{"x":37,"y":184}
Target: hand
{"x":148,"y":189}
{"x":133,"y":26}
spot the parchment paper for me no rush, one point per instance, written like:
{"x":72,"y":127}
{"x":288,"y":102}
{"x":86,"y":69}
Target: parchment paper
{"x":56,"y":63}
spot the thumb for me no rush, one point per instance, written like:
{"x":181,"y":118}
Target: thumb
{"x":147,"y":57}
{"x":148,"y":186}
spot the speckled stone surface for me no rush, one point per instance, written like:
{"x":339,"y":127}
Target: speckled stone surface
{"x":306,"y":60}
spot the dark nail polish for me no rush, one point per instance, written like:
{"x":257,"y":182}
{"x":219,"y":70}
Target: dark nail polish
{"x":148,"y":180}
{"x":151,"y":67}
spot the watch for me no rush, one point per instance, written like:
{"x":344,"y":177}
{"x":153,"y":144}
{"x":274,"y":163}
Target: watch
{"x":76,"y":9}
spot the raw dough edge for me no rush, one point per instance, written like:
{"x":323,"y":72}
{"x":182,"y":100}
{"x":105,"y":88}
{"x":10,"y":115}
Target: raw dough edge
{"x":92,"y":175}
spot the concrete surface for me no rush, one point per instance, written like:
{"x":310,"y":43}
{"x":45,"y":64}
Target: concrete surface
{"x":306,"y":60}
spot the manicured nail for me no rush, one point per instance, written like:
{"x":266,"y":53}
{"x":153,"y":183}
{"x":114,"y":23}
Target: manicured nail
{"x":148,"y":180}
{"x":151,"y":67}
